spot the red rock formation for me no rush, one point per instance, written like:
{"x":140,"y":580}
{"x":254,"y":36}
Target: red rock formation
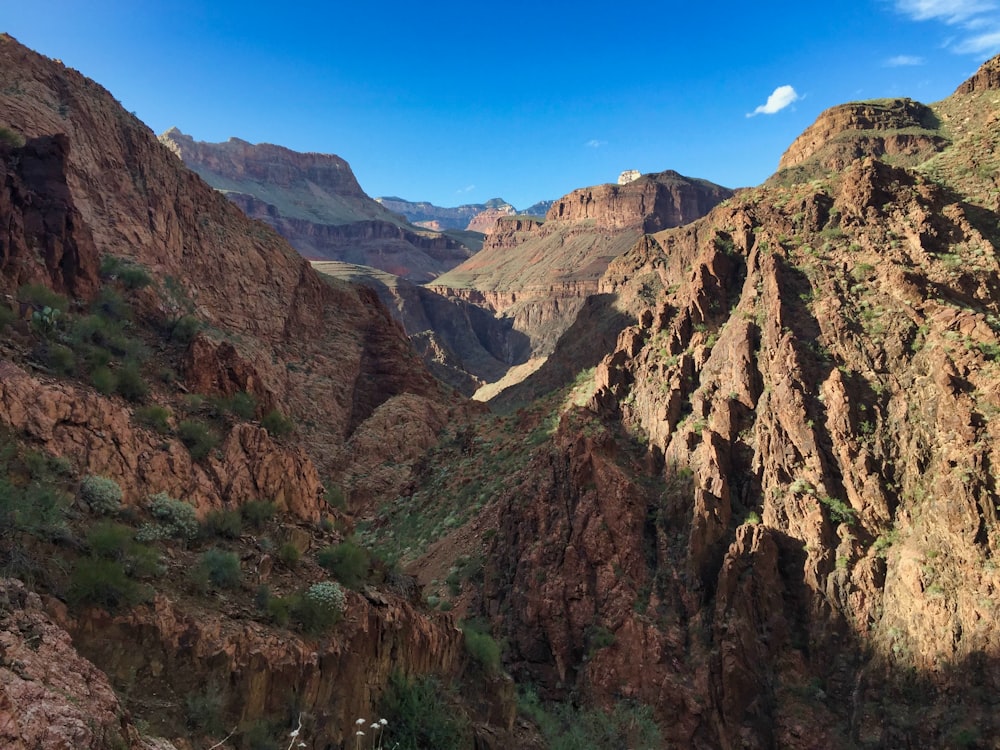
{"x":316,"y":203}
{"x":50,"y":696}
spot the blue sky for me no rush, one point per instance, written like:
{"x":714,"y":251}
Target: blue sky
{"x":461,"y":102}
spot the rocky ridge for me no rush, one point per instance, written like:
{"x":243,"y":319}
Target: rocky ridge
{"x":97,"y":210}
{"x":315,"y":202}
{"x":794,"y":548}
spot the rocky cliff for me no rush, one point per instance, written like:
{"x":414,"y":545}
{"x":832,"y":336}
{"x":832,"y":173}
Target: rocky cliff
{"x":539,"y":274}
{"x":774,"y":519}
{"x":315,"y":202}
{"x":154,"y":335}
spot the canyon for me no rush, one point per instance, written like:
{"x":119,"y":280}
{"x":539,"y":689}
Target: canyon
{"x":747,"y":498}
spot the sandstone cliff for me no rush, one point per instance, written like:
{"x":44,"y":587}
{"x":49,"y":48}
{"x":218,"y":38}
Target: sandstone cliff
{"x":794,"y":549}
{"x":315,"y":202}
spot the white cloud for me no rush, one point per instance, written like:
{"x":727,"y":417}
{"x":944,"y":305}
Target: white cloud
{"x":950,"y":11}
{"x":980,"y":35}
{"x":780,"y":98}
{"x":466,"y":189}
{"x":901,"y":61}
{"x":594,"y":143}
{"x":981,"y":45}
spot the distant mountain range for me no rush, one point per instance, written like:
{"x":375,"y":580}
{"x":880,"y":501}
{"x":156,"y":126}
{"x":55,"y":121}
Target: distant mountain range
{"x":479,"y":217}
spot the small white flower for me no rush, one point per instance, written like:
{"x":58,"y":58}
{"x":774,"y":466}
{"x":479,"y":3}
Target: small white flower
{"x":294,"y":733}
{"x":359,"y":722}
{"x":301,"y":744}
{"x":360,"y":733}
{"x":383,"y":722}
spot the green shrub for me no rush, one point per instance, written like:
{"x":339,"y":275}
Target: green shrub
{"x":289,"y":554}
{"x":37,"y":508}
{"x":185,"y":329}
{"x":155,"y":417}
{"x":319,"y":608}
{"x":203,"y":711}
{"x":277,"y":424}
{"x":197,"y":438}
{"x":103,"y":583}
{"x":11,"y":137}
{"x":225,"y":523}
{"x":177,"y":518}
{"x":40,"y":296}
{"x":566,"y":727}
{"x":60,"y":359}
{"x":481,"y":647}
{"x":131,"y":384}
{"x":134,"y":277}
{"x":101,"y":494}
{"x":420,"y":716}
{"x":258,"y":512}
{"x":279,"y":611}
{"x":221,"y":568}
{"x":109,"y":540}
{"x":347,"y":561}
{"x":110,"y":306}
{"x":103,"y":380}
{"x":7,"y":316}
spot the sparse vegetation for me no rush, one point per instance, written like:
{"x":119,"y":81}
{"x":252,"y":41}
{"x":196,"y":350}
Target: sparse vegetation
{"x":101,"y":494}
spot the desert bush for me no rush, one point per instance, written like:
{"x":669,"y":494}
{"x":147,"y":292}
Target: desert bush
{"x":319,"y":607}
{"x":131,"y":384}
{"x":109,"y":540}
{"x":11,"y":137}
{"x":110,"y":306}
{"x":7,"y":316}
{"x":185,"y":329}
{"x":277,"y":424}
{"x":258,"y":512}
{"x":204,"y":710}
{"x":40,"y":296}
{"x":59,"y":358}
{"x":103,"y":583}
{"x":177,"y":518}
{"x":347,"y":561}
{"x":289,"y":554}
{"x":481,"y":647}
{"x":101,"y":494}
{"x":225,"y":523}
{"x":220,"y":568}
{"x":155,"y":417}
{"x":420,"y":716}
{"x":103,"y":380}
{"x":240,"y":404}
{"x":197,"y":438}
{"x":566,"y":727}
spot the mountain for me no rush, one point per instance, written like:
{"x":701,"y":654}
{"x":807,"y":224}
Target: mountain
{"x":770,"y":512}
{"x":315,"y":202}
{"x":749,"y":499}
{"x":539,"y":273}
{"x":179,"y":391}
{"x":435,"y":217}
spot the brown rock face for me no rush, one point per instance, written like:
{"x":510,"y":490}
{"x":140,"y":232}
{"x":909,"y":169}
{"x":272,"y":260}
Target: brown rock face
{"x":327,"y":354}
{"x":316,"y":203}
{"x":50,"y":696}
{"x":43,"y":221}
{"x":841,"y":134}
{"x":804,"y":538}
{"x":539,"y":274}
{"x":652,"y":202}
{"x":987,"y":78}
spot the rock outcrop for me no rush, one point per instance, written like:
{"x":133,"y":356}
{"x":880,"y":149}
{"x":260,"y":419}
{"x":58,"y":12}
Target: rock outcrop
{"x":50,"y":696}
{"x":899,"y":129}
{"x":795,"y":551}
